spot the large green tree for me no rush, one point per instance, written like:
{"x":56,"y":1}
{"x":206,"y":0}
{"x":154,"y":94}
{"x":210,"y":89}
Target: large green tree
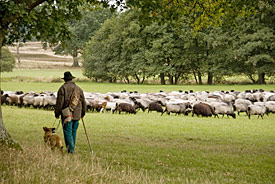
{"x":81,"y":31}
{"x":42,"y":19}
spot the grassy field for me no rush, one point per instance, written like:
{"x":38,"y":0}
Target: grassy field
{"x":143,"y":148}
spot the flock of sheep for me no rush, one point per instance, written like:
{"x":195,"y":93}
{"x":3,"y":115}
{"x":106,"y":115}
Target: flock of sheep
{"x":200,"y":103}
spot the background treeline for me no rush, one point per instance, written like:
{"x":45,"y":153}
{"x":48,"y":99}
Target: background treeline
{"x":118,"y":47}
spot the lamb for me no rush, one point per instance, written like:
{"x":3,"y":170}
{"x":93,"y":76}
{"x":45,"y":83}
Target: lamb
{"x":126,"y":107}
{"x":202,"y":109}
{"x":256,"y":110}
{"x":154,"y":106}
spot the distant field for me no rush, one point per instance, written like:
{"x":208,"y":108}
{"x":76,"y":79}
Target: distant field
{"x":34,"y":56}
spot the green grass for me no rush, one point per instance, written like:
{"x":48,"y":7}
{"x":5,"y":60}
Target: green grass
{"x":156,"y":149}
{"x":108,"y":87}
{"x":141,"y":148}
{"x":50,"y":80}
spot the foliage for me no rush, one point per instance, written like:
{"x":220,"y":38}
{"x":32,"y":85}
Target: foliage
{"x":7,"y":60}
{"x":81,"y":31}
{"x":254,"y":45}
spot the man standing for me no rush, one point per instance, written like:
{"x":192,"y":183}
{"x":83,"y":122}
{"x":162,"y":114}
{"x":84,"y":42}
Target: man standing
{"x":70,"y":98}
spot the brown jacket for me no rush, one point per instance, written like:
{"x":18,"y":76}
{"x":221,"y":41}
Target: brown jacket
{"x":63,"y":100}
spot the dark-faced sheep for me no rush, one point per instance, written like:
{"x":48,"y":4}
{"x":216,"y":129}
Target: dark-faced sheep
{"x":223,"y":109}
{"x":256,"y":110}
{"x":178,"y":108}
{"x":202,"y":109}
{"x":241,"y":105}
{"x":4,"y":98}
{"x":125,"y":107}
{"x":154,"y":106}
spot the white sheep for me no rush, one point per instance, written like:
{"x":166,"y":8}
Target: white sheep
{"x":256,"y":110}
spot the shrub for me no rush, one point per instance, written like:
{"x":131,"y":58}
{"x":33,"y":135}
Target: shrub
{"x":7,"y":60}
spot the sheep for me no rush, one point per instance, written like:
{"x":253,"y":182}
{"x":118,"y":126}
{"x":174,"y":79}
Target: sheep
{"x":177,"y":108}
{"x":241,"y":105}
{"x":49,"y":101}
{"x":270,"y":105}
{"x":223,"y":108}
{"x":4,"y":98}
{"x":13,"y":99}
{"x":38,"y":101}
{"x":154,"y":106}
{"x":126,"y":107}
{"x":256,"y":110}
{"x":93,"y":105}
{"x":271,"y":98}
{"x":108,"y":106}
{"x":202,"y":109}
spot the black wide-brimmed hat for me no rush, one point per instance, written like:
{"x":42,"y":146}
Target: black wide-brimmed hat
{"x":68,"y":76}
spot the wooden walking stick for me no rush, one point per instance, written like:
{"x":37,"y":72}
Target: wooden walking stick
{"x":87,"y":136}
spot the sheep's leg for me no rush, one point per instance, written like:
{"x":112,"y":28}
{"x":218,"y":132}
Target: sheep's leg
{"x":101,"y":110}
{"x":248,"y":116}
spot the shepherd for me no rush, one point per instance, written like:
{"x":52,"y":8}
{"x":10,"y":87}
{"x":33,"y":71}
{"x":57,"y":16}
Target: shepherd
{"x":71,"y":106}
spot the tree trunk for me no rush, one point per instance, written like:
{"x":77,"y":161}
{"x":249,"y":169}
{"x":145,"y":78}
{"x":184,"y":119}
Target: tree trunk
{"x":194,"y":73}
{"x":162,"y":79}
{"x":5,"y":137}
{"x":261,"y":79}
{"x":75,"y":58}
{"x":17,"y":53}
{"x":128,"y":80}
{"x":210,"y":78}
{"x":199,"y":77}
{"x":176,"y":79}
{"x":171,"y":79}
{"x":143,"y":79}
{"x":137,"y":79}
{"x":252,"y":79}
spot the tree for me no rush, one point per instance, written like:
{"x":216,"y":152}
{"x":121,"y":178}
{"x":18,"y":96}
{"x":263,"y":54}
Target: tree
{"x":92,"y":19}
{"x":7,"y":60}
{"x":253,"y":45}
{"x":42,"y":19}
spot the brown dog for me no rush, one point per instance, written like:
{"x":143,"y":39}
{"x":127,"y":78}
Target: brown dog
{"x":52,"y":139}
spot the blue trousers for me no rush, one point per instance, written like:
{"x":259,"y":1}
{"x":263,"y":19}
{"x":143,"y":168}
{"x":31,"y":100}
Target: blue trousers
{"x":69,"y":130}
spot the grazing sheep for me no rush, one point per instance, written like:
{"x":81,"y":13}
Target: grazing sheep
{"x":271,"y":98}
{"x":13,"y":99}
{"x":126,"y":107}
{"x":49,"y":101}
{"x":256,"y":110}
{"x":270,"y":105}
{"x":202,"y":109}
{"x":241,"y":105}
{"x":108,"y":106}
{"x":223,"y":108}
{"x":154,"y":106}
{"x":177,"y":108}
{"x":4,"y":98}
